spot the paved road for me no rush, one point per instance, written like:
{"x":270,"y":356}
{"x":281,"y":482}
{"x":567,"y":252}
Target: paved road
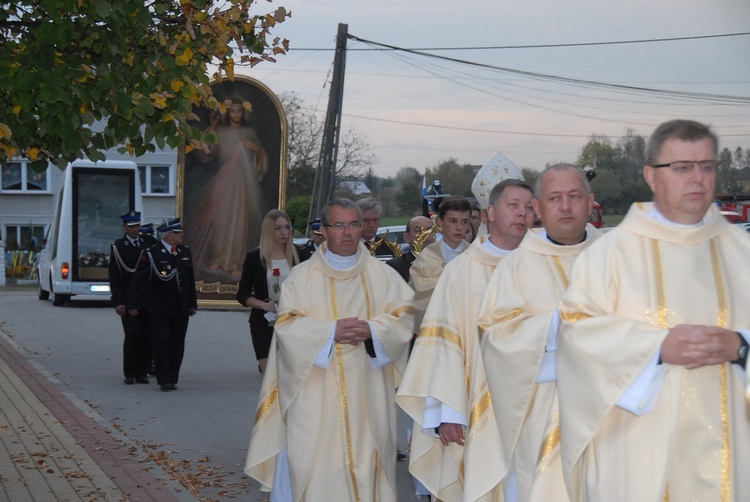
{"x":198,"y":434}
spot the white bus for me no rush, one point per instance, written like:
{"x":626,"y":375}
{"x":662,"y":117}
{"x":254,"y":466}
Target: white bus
{"x":88,"y":205}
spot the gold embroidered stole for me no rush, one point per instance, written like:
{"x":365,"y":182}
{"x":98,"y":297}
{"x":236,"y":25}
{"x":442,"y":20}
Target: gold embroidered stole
{"x":343,"y":411}
{"x":695,"y":384}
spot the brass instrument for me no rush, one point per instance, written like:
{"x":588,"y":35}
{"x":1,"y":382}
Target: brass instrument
{"x":393,"y":246}
{"x":422,"y":236}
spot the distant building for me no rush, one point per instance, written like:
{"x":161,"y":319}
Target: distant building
{"x":357,"y":188}
{"x":27,"y":198}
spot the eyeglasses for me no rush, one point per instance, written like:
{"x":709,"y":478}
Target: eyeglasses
{"x":685,"y":166}
{"x":354,"y":225}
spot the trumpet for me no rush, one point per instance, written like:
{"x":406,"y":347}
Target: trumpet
{"x":422,"y":236}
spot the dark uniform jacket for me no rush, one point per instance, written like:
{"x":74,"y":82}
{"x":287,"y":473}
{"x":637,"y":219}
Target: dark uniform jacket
{"x":254,"y":282}
{"x":123,"y":260}
{"x":305,"y":251}
{"x":382,"y":249}
{"x":164,"y":282}
{"x":402,"y":264}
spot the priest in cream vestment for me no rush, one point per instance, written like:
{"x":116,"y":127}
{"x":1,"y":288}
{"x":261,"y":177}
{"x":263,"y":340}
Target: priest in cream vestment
{"x":444,"y":387}
{"x":519,"y":320}
{"x":326,"y":419}
{"x":653,"y":342}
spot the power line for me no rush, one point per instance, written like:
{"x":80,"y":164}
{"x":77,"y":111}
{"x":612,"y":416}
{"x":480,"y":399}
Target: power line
{"x":460,"y":79}
{"x":722,"y":98}
{"x":542,"y":46}
{"x":498,"y":131}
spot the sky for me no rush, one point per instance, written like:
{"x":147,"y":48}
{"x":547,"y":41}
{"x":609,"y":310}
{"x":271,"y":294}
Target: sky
{"x":418,"y":111}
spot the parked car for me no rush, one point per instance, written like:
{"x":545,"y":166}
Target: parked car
{"x":395,"y":233}
{"x":395,"y":236}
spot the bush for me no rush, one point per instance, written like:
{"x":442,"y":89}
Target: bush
{"x":298,"y":209}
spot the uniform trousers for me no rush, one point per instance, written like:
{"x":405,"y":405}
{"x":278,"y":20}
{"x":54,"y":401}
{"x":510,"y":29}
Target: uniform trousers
{"x":169,"y":346}
{"x":136,"y":350}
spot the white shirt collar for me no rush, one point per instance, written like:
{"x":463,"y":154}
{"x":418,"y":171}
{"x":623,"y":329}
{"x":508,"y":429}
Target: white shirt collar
{"x":341,"y":262}
{"x":450,"y":253}
{"x":489,"y":246}
{"x":657,"y":215}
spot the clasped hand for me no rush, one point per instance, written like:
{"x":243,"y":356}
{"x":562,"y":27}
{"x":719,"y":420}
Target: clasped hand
{"x":694,"y":346}
{"x":351,"y":331}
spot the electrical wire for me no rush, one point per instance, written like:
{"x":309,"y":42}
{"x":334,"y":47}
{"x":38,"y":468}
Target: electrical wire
{"x":717,"y":98}
{"x":549,"y":46}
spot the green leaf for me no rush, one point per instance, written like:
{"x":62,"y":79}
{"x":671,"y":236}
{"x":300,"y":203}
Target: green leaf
{"x":144,"y":109}
{"x":103,"y":8}
{"x":102,"y":53}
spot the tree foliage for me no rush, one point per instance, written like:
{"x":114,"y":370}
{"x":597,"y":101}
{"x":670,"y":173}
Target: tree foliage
{"x":81,"y":76}
{"x":734,"y":172}
{"x":305,"y":133}
{"x":530,"y":175}
{"x":305,"y":129}
{"x":456,"y":178}
{"x":298,"y":208}
{"x":408,"y":197}
{"x":619,"y":181}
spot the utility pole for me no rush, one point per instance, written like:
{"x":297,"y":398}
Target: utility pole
{"x":325,"y":175}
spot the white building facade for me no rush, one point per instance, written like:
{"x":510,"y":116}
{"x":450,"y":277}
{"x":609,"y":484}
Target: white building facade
{"x":27,"y":198}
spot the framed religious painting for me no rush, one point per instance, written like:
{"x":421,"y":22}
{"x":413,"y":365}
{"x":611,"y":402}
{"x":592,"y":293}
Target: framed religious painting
{"x":224,"y":193}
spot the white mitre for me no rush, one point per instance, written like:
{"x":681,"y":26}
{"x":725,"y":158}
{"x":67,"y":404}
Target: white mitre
{"x":495,"y":170}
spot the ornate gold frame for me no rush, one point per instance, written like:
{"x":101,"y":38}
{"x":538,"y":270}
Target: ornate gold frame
{"x":227,"y":290}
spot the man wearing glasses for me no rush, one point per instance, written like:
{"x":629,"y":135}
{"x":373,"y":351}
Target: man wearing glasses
{"x":326,"y":420}
{"x":653,"y":343}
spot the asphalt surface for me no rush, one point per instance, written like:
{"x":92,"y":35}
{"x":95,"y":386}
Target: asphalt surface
{"x":198,"y":435}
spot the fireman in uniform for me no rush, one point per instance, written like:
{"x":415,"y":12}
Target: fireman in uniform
{"x":164,"y":281}
{"x":123,"y":259}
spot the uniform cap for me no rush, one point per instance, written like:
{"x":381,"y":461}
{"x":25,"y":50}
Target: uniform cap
{"x":170,"y":225}
{"x":131,"y":218}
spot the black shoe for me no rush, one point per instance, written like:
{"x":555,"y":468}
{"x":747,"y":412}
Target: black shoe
{"x":400,"y":456}
{"x":167,"y":387}
{"x":129,"y":380}
{"x":141,"y":380}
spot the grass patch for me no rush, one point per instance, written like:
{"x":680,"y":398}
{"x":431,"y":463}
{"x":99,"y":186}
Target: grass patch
{"x":389,"y":221}
{"x":612,"y":220}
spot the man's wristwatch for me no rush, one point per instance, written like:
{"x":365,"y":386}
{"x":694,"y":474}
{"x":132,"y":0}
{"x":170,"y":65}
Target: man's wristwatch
{"x":742,"y":351}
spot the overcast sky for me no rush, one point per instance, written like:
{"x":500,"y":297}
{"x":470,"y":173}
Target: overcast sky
{"x":418,"y":111}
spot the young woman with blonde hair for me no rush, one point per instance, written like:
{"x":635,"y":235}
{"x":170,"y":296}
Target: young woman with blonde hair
{"x":263,"y":271}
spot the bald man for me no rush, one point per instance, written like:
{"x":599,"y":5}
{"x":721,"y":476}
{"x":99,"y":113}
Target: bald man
{"x":402,"y":264}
